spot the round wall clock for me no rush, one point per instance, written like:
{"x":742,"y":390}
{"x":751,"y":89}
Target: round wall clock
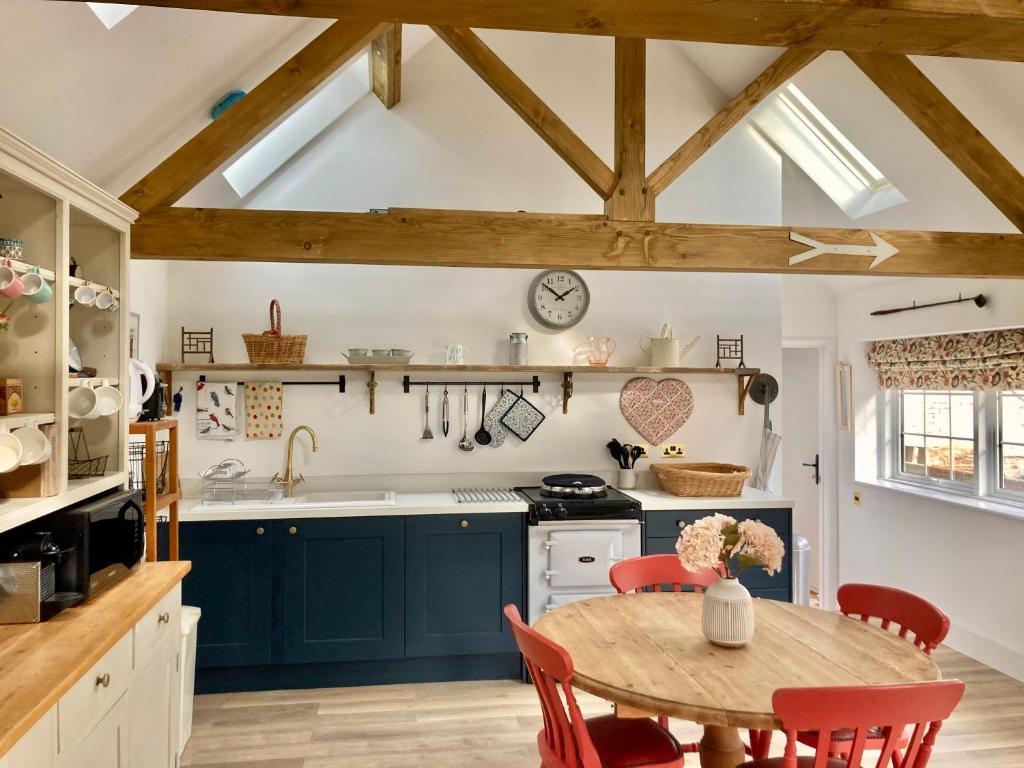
{"x":558,"y":298}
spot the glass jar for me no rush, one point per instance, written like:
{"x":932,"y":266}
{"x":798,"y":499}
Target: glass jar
{"x":518,"y":349}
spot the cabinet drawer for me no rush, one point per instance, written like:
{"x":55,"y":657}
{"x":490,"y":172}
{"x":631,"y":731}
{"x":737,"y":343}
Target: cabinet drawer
{"x":91,"y":697}
{"x":162,"y":621}
{"x":664,"y":522}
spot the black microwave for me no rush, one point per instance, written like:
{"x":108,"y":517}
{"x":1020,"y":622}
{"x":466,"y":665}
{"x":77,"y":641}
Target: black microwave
{"x":108,"y":535}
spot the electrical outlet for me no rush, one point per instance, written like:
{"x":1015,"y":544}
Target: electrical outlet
{"x":856,"y":498}
{"x":645,"y":448}
{"x":673,"y":451}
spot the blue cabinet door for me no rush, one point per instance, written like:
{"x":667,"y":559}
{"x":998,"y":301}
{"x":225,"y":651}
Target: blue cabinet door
{"x":663,"y":527}
{"x":460,"y":572}
{"x":231,"y":582}
{"x":342,"y":585}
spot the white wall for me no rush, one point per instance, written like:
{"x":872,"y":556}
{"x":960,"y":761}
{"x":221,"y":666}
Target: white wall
{"x":149,"y":299}
{"x":962,"y":559}
{"x":423,"y":309}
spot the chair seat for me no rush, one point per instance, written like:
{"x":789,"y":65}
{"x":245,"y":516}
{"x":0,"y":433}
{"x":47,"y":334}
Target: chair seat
{"x":631,"y":743}
{"x":801,"y":762}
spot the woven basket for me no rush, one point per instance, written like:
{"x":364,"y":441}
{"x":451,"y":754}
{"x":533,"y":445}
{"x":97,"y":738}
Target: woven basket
{"x":273,"y":346}
{"x":701,"y":479}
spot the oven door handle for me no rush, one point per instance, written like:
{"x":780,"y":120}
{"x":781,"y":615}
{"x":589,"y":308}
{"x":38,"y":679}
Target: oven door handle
{"x":549,"y":544}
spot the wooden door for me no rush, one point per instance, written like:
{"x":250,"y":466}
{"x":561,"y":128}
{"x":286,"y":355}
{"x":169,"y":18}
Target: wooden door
{"x":460,"y":571}
{"x":342,"y":585}
{"x":232,"y":582}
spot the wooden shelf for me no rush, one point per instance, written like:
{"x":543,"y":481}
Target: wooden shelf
{"x":23,"y":419}
{"x":97,"y":381}
{"x":744,"y":376}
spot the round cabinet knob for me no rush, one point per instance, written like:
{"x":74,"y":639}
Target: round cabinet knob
{"x":260,"y":531}
{"x":164,"y":618}
{"x":464,"y":524}
{"x":293,"y":530}
{"x":103,"y":680}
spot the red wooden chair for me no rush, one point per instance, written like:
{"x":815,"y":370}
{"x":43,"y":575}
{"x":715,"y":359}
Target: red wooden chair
{"x":911,"y":615}
{"x":657,"y":571}
{"x":569,"y":741}
{"x":653,"y":573}
{"x":917,"y":709}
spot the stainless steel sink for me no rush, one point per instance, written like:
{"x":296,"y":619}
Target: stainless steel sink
{"x":338,"y":499}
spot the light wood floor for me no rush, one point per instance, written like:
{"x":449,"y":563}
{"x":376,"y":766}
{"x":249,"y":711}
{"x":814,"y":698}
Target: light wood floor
{"x":494,"y":724}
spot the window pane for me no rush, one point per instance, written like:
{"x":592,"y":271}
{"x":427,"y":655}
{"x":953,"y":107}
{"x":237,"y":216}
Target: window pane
{"x":963,"y":461}
{"x":936,"y":413}
{"x":937,"y":451}
{"x":1013,"y":416}
{"x":913,"y":412}
{"x":913,"y":455}
{"x":1013,"y":468}
{"x":962,"y":409}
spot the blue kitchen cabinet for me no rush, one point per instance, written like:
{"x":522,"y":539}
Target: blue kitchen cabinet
{"x":342,"y":589}
{"x":663,"y":526}
{"x":460,"y":572}
{"x":231,"y":581}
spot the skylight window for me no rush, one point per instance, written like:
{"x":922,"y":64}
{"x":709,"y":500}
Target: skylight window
{"x":831,"y":137}
{"x":111,"y":14}
{"x":803,"y":133}
{"x":300,"y":127}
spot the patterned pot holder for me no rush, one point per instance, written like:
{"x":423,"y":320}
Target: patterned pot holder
{"x":522,"y":419}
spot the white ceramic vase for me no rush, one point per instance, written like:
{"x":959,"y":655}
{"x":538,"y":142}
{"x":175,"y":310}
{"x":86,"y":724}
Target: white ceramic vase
{"x":727,"y":614}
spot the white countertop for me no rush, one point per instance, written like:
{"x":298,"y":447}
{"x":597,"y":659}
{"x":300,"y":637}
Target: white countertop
{"x":439,"y":503}
{"x":444,"y":503}
{"x":752,"y":498}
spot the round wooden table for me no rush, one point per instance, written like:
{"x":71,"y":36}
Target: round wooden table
{"x":646,"y":653}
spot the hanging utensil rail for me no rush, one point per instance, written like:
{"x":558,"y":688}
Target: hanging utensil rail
{"x":339,"y":383}
{"x":407,"y":382}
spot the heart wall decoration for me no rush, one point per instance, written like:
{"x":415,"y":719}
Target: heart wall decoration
{"x":656,"y":409}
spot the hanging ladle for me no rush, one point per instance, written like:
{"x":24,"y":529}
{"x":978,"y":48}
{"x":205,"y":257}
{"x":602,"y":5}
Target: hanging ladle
{"x":482,"y":436}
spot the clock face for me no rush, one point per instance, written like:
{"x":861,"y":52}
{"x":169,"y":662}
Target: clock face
{"x":558,"y":298}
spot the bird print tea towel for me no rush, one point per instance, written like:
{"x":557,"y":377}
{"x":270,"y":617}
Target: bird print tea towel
{"x":263,"y":413}
{"x":216,"y":403}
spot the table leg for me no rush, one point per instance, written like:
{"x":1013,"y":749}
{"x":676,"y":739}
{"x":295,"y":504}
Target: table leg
{"x":721,"y":747}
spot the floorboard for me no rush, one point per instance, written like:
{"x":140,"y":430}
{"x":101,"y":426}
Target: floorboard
{"x":459,"y":725}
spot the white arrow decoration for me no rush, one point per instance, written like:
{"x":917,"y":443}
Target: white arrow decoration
{"x":881,"y":250}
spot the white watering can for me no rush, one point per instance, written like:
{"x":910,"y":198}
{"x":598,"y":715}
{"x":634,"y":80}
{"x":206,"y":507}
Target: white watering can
{"x":664,"y":350}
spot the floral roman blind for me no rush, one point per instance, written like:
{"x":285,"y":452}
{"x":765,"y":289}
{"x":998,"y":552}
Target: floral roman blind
{"x":983,"y":360}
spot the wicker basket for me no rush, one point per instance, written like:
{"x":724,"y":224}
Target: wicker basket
{"x":701,"y":479}
{"x":273,"y":346}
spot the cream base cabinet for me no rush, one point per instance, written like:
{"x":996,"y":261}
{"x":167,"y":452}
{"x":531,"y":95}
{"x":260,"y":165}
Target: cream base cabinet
{"x":124,"y":712}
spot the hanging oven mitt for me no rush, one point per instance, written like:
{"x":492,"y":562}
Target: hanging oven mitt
{"x":264,"y":414}
{"x":522,"y":419}
{"x":492,"y":421}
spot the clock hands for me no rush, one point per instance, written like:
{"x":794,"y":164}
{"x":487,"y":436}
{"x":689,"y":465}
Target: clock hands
{"x":562,"y":296}
{"x":552,"y":290}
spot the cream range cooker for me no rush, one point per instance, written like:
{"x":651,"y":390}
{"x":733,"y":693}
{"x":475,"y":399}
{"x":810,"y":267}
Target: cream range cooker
{"x":578,"y":528}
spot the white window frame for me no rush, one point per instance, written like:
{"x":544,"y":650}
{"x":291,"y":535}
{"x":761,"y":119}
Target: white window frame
{"x":987,"y":468}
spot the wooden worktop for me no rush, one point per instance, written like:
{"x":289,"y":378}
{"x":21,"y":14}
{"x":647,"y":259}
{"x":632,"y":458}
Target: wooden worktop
{"x":40,"y":662}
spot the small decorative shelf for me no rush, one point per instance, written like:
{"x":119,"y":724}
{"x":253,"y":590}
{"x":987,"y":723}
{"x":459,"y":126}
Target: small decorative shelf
{"x":744,"y":376}
{"x":25,"y":419}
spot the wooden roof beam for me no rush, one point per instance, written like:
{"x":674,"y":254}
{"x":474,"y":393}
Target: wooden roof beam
{"x":536,"y":241}
{"x":630,"y":200}
{"x":782,"y":69}
{"x":529,"y":106}
{"x":386,"y":65}
{"x":980,"y":29}
{"x":220,"y":140}
{"x":948,"y":128}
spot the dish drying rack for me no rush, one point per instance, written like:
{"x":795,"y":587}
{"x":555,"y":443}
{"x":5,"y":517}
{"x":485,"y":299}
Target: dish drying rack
{"x":485,"y":495}
{"x":226,"y":483}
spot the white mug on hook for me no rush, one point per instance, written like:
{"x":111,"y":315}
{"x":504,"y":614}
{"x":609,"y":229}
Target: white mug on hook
{"x":85,"y":295}
{"x":104,"y":299}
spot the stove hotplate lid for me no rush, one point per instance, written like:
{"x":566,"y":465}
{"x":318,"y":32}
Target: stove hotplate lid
{"x":571,"y":485}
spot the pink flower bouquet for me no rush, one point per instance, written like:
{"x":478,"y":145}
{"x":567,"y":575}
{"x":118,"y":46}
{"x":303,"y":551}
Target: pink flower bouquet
{"x":719,"y":542}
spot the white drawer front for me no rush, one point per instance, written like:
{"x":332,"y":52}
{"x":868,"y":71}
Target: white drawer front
{"x":162,"y":621}
{"x":94,"y":694}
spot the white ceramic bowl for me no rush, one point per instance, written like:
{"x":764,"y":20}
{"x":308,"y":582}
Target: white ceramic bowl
{"x":110,"y":399}
{"x":35,"y":447}
{"x":10,"y":452}
{"x":83,"y":403}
